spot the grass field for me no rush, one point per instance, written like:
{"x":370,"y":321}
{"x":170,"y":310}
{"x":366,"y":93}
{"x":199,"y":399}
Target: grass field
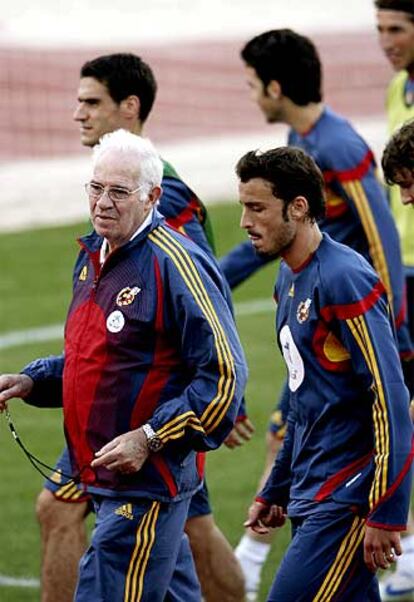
{"x":35,"y":289}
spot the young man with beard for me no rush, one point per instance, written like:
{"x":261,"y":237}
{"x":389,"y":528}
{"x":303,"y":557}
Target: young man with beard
{"x":343,"y":475}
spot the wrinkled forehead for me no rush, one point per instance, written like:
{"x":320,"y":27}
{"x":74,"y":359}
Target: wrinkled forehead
{"x":116,"y":163}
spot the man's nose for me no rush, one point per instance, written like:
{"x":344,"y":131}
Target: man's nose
{"x":104,"y":201}
{"x":245,"y":221}
{"x":79,"y":113}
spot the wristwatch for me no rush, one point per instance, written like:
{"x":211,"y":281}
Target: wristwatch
{"x":154,"y":443}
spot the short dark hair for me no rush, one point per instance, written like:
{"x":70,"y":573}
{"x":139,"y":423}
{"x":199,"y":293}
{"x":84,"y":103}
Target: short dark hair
{"x":405,"y":6}
{"x":124,"y":74}
{"x":288,"y":58}
{"x":291,"y":173}
{"x":399,"y":153}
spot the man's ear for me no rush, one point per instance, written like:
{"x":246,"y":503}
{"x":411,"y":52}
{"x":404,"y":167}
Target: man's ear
{"x":130,"y":107}
{"x":298,"y":208}
{"x":155,"y":195}
{"x":274,"y":90}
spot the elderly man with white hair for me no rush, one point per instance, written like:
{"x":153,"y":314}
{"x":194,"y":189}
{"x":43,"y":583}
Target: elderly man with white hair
{"x":153,"y":372}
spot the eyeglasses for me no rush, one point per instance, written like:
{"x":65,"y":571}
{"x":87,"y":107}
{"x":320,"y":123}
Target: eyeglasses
{"x":116,"y":195}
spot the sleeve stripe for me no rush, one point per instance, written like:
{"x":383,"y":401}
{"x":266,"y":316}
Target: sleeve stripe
{"x":217,"y":408}
{"x":360,"y":332}
{"x":355,"y":173}
{"x":351,"y":310}
{"x":205,"y":304}
{"x":376,"y":249}
{"x":176,"y":430}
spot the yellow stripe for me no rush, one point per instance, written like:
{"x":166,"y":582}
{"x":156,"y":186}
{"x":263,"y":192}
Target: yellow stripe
{"x":342,"y":561}
{"x":178,"y":419}
{"x":376,"y":250}
{"x":382,"y":434}
{"x":145,"y":538}
{"x":178,"y":431}
{"x":200,"y":295}
{"x":68,"y":491}
{"x":226,"y":384}
{"x":380,"y":413}
{"x":188,"y":264}
{"x":201,"y":301}
{"x":354,"y":327}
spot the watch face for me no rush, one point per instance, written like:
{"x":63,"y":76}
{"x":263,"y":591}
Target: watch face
{"x":154,"y":444}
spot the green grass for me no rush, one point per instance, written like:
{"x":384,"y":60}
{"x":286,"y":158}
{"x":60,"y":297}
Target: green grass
{"x":35,"y":289}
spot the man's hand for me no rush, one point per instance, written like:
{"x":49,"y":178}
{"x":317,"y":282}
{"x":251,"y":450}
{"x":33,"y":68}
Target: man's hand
{"x":261,"y":517}
{"x":242,"y":431}
{"x":381,"y":548}
{"x":126,"y":453}
{"x":14,"y":385}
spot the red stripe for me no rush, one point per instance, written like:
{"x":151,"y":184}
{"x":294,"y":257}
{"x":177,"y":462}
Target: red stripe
{"x":356,"y":173}
{"x":85,"y":334}
{"x":399,"y":319}
{"x":192,"y":211}
{"x":201,"y":463}
{"x":161,"y":466}
{"x":165,"y":358}
{"x":318,"y":342}
{"x":333,"y":482}
{"x":343,"y":312}
{"x":398,"y":480}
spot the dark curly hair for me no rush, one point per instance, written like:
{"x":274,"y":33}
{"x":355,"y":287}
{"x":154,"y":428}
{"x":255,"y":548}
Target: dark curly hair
{"x":291,"y":173}
{"x":399,"y":153}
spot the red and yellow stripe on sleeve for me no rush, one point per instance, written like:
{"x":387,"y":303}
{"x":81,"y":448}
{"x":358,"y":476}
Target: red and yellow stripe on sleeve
{"x":226,"y":381}
{"x":356,"y":191}
{"x":359,"y":329}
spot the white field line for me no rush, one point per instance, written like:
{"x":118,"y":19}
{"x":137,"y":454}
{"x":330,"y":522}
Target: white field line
{"x":6,"y":581}
{"x":54,"y":332}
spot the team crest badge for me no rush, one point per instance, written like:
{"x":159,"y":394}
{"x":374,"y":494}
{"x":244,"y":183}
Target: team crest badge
{"x":84,"y":273}
{"x":127,"y":295}
{"x":115,"y":321}
{"x":303,"y":311}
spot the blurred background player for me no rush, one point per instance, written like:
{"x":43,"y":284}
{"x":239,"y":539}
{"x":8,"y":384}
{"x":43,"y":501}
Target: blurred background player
{"x":118,"y":91}
{"x":284,"y":73}
{"x":395,"y":26}
{"x":343,"y":475}
{"x":398,"y":162}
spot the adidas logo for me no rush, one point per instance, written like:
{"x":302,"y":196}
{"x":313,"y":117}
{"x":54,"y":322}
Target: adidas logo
{"x":125,"y":511}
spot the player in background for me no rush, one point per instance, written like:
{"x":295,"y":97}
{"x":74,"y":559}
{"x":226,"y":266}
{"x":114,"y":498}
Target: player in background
{"x":343,"y":475}
{"x":284,"y":74}
{"x":118,"y":91}
{"x":395,"y":26}
{"x":398,"y":162}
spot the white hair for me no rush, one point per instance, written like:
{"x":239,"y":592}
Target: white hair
{"x":140,"y":150}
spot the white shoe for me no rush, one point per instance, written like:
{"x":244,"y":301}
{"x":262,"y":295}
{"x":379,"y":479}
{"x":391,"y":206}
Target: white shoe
{"x":397,"y":587}
{"x":251,"y":597}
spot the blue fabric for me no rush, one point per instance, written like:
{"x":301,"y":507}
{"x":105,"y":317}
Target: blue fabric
{"x":135,"y":549}
{"x":318,"y":541}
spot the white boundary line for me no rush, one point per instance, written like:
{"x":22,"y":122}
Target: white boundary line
{"x":6,"y":581}
{"x":54,"y":332}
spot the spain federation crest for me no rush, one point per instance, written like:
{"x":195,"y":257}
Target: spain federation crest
{"x":127,"y":295}
{"x":302,"y":313}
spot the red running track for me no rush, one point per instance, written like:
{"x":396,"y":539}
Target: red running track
{"x":202,"y":91}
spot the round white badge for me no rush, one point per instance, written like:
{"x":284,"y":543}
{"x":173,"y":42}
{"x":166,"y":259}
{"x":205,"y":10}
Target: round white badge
{"x":115,"y":321}
{"x":293,"y":359}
